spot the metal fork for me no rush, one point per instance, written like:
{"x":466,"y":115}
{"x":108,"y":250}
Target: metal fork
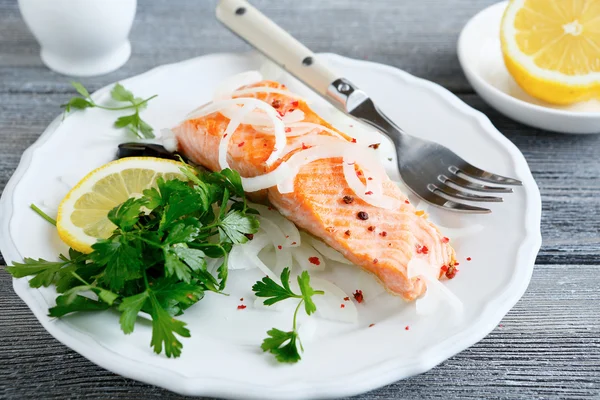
{"x":433,"y":172}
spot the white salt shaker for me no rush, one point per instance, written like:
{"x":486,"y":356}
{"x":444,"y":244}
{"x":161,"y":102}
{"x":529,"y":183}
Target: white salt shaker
{"x":81,"y":37}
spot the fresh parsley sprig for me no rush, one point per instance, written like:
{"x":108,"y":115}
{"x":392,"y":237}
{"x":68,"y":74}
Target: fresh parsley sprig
{"x":133,"y":122}
{"x":155,"y":260}
{"x":284,"y":345}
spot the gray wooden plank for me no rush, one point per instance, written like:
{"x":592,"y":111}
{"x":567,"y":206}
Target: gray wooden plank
{"x":414,"y":35}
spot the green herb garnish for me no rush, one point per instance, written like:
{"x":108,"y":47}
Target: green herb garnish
{"x":42,"y":214}
{"x":155,"y":260}
{"x":284,"y":345}
{"x":133,"y":122}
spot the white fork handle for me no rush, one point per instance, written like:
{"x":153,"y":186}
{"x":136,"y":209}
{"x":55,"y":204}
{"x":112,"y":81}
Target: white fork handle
{"x":262,"y":33}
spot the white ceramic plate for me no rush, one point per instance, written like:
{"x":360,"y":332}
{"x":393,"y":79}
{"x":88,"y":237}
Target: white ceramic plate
{"x":481,"y":59}
{"x":222,"y":358}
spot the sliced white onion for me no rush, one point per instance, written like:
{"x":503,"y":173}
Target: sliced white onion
{"x":311,"y":141}
{"x":270,"y":179}
{"x":282,"y":254}
{"x":292,"y":117}
{"x":168,"y":140}
{"x":419,"y":267}
{"x":290,"y":231}
{"x":329,"y":147}
{"x":302,"y":128}
{"x":225,"y":108}
{"x":234,"y":123}
{"x":283,"y":258}
{"x":305,"y":253}
{"x":196,"y":110}
{"x":239,"y":252}
{"x":329,"y":304}
{"x":214,"y":107}
{"x":228,"y":86}
{"x":258,"y":118}
{"x":327,"y":252}
{"x":261,"y":265}
{"x":374,"y":186}
{"x":237,"y":258}
{"x":265,"y":89}
{"x":295,"y":129}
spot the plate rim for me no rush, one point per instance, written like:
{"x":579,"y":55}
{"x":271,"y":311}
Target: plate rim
{"x":381,"y":373}
{"x":471,"y":73}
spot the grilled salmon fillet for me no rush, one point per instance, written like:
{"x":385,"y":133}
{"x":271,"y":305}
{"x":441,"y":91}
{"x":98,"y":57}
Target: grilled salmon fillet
{"x":381,"y":241}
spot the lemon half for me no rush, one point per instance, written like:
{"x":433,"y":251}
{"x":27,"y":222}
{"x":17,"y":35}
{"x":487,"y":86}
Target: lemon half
{"x":552,"y":48}
{"x":82,"y":214}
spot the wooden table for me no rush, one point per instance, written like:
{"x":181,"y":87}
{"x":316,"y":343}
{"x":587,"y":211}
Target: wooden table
{"x":548,"y":346}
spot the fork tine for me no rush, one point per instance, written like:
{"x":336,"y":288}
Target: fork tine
{"x":458,"y":183}
{"x":438,"y":200}
{"x":457,"y":194}
{"x":472,"y":171}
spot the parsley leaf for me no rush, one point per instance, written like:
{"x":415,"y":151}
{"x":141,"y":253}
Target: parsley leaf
{"x":177,"y":296}
{"x":207,"y":281}
{"x":77,"y":103}
{"x":164,"y":328}
{"x":133,"y":122}
{"x":194,"y":258}
{"x":31,"y":266}
{"x":130,"y":308}
{"x":178,"y":199}
{"x":65,"y":306}
{"x":307,"y":292}
{"x":230,"y":179}
{"x":104,"y":295}
{"x":236,"y":225}
{"x":274,"y":292}
{"x":80,"y":89}
{"x":124,"y":121}
{"x":119,"y":93}
{"x":182,"y":232}
{"x":283,"y":353}
{"x":267,"y":287}
{"x":123,"y":260}
{"x":127,"y":214}
{"x":223,"y":273}
{"x":174,"y":266}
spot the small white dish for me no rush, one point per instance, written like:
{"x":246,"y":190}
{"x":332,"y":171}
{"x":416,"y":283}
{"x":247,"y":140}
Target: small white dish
{"x":223,"y":358}
{"x":481,"y":59}
{"x":81,"y":38}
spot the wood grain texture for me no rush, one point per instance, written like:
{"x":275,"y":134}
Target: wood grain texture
{"x":548,"y":346}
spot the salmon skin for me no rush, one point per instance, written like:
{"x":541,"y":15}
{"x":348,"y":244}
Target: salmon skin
{"x":381,"y":241}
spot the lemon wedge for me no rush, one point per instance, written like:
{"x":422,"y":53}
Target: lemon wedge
{"x":552,"y":48}
{"x":82,"y":214}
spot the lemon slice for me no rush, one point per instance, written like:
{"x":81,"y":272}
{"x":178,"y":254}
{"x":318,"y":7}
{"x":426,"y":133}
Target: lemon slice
{"x":82,"y":214}
{"x":552,"y":48}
